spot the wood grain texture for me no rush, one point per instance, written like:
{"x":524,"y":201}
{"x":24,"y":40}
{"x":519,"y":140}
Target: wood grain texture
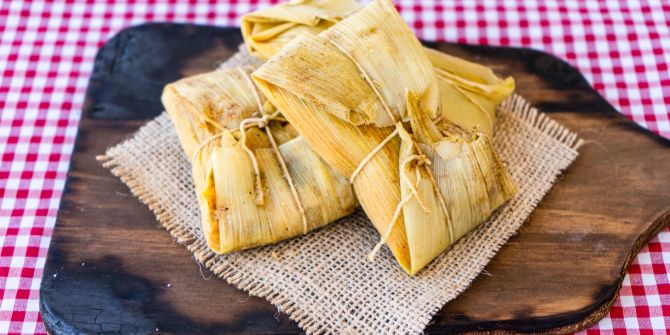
{"x":111,"y":268}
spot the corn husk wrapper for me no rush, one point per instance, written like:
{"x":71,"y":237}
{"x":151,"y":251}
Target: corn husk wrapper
{"x":267,"y":30}
{"x":207,"y":111}
{"x":390,"y":82}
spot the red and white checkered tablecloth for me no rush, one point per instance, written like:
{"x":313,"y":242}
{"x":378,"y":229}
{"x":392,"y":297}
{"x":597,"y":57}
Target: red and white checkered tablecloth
{"x":47,"y":50}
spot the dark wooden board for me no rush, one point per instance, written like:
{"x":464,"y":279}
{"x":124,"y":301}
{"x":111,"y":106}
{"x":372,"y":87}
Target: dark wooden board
{"x":111,"y":267}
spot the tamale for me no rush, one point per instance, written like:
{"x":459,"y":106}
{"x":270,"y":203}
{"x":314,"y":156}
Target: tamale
{"x":364,"y":94}
{"x":267,"y":30}
{"x":257,"y":181}
{"x":469,"y":91}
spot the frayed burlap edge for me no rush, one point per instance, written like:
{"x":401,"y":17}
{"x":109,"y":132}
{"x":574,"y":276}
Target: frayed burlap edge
{"x":543,"y":123}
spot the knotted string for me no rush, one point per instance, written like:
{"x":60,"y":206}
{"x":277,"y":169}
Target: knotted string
{"x":439,"y":195}
{"x":372,"y":153}
{"x":262,"y":123}
{"x":368,"y":158}
{"x":206,"y":141}
{"x":421,"y":160}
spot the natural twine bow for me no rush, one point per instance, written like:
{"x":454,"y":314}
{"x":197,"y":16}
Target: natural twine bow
{"x":262,"y":123}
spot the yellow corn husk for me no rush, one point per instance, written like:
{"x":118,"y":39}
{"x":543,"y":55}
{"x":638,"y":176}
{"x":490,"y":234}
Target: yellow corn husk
{"x":374,"y":54}
{"x":470,"y":92}
{"x":267,"y":30}
{"x":207,"y":111}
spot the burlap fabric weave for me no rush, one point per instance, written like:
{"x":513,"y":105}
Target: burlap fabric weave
{"x":323,"y":280}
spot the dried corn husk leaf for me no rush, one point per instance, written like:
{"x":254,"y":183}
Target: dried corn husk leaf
{"x":207,"y":111}
{"x":267,"y":30}
{"x":376,"y":39}
{"x":470,"y":92}
{"x":320,"y":78}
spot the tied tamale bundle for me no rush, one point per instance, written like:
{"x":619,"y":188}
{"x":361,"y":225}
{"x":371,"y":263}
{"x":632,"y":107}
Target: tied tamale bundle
{"x":470,"y":92}
{"x":256,"y":181}
{"x":365,"y":97}
{"x":267,"y":30}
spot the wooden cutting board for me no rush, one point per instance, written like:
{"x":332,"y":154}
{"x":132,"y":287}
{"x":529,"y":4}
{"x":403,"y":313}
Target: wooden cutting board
{"x":112,"y":268}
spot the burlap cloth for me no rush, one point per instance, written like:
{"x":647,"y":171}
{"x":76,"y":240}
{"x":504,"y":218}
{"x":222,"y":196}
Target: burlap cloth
{"x":323,"y":280}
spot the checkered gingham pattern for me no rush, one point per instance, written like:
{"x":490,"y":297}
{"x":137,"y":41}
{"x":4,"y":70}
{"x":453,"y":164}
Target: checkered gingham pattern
{"x":47,"y":50}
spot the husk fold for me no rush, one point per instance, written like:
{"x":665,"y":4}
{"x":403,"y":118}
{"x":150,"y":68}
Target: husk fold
{"x":470,"y":93}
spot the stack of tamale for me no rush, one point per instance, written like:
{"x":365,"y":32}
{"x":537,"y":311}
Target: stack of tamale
{"x":410,"y":128}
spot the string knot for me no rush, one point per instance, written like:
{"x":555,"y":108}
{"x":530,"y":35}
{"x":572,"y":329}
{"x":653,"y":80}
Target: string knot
{"x":422,"y":160}
{"x":263,"y":121}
